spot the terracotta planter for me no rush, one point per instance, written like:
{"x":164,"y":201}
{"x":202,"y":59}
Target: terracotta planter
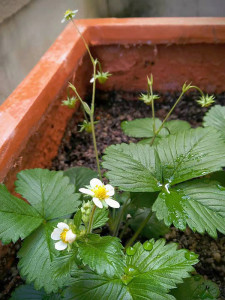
{"x":175,"y":50}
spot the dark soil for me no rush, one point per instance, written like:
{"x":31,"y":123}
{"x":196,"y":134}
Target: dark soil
{"x":76,"y":150}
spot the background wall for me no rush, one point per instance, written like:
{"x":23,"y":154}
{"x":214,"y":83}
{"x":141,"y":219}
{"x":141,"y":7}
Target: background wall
{"x":29,"y":27}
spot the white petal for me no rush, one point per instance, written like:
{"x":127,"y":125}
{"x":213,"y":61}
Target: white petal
{"x":62,"y":226}
{"x":94,"y":182}
{"x":63,"y":20}
{"x":75,"y":11}
{"x":110,"y":190}
{"x":92,"y":80}
{"x":60,"y":246}
{"x":56,"y":234}
{"x":70,"y":236}
{"x":97,"y":202}
{"x":86,"y":191}
{"x":112,"y":203}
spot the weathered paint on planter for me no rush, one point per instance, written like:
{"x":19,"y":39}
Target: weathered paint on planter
{"x":175,"y":50}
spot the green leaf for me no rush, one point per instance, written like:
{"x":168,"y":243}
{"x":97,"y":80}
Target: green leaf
{"x":28,"y":292}
{"x":49,"y":192}
{"x":196,"y":288}
{"x":36,"y":255}
{"x":17,"y":218}
{"x":200,"y":204}
{"x":218,"y":176}
{"x":153,"y":229}
{"x":80,"y":176}
{"x":100,"y":217}
{"x":143,"y":128}
{"x":132,"y":167}
{"x":140,"y":128}
{"x":190,"y":154}
{"x":141,"y":200}
{"x":147,"y":275}
{"x":77,"y":218}
{"x":215,"y":117}
{"x":64,"y":264}
{"x":103,"y":254}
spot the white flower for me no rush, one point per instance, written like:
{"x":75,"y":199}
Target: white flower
{"x":101,"y":194}
{"x":64,"y":235}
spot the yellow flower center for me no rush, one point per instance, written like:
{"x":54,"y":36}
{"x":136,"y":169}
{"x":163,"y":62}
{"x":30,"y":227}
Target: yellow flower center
{"x":100,"y":192}
{"x":63,"y":235}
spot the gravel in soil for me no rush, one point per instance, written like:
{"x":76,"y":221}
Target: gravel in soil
{"x":76,"y":150}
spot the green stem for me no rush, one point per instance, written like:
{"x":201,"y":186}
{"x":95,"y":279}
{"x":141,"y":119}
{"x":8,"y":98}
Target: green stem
{"x":91,"y":219}
{"x":197,"y":88}
{"x":92,"y":121}
{"x":166,"y":118}
{"x":119,"y":219}
{"x":141,"y":227}
{"x":153,"y":110}
{"x":85,"y":43}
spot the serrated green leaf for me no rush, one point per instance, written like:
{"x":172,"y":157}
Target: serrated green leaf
{"x":132,"y":167}
{"x":49,"y":192}
{"x":36,"y":255}
{"x":103,"y":254}
{"x":100,"y":217}
{"x":143,"y":128}
{"x":200,"y":204}
{"x":80,"y":176}
{"x":196,"y":288}
{"x":17,"y":218}
{"x":153,"y":229}
{"x":215,"y":118}
{"x":190,"y":154}
{"x":28,"y":292}
{"x":147,"y":275}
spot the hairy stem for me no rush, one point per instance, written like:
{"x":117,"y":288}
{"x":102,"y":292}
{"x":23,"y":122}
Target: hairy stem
{"x":141,"y":227}
{"x":166,"y":118}
{"x":85,"y":43}
{"x":91,"y":219}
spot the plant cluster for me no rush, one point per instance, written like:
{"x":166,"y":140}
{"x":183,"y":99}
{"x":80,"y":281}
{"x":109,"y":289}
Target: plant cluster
{"x":172,"y":176}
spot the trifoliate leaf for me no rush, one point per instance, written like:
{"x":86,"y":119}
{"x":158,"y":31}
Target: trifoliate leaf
{"x":80,"y":176}
{"x":49,"y":192}
{"x":196,"y":288}
{"x":148,"y":274}
{"x":190,"y":154}
{"x":28,"y":292}
{"x":200,"y":204}
{"x":36,"y":255}
{"x":153,"y":229}
{"x":100,"y":217}
{"x":133,"y":167}
{"x":215,"y":117}
{"x":103,"y":254}
{"x":17,"y":218}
